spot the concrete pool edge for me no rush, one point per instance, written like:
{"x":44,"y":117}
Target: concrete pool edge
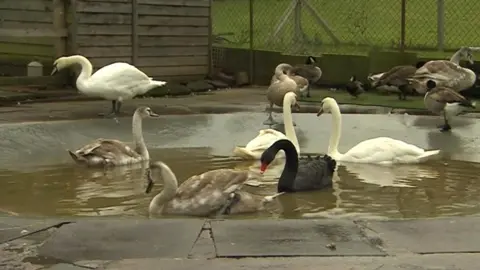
{"x":123,"y":243}
{"x":225,"y":101}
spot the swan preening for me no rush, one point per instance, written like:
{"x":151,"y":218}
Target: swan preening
{"x":266,"y":137}
{"x":381,"y":150}
{"x":108,"y":152}
{"x":216,"y":192}
{"x":116,"y":82}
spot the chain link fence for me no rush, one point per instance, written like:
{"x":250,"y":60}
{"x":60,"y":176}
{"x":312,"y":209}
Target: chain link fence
{"x":345,"y":27}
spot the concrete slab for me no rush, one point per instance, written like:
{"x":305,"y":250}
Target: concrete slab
{"x":250,"y":238}
{"x":114,"y":239}
{"x":404,"y":262}
{"x":14,"y":227}
{"x":426,"y":236}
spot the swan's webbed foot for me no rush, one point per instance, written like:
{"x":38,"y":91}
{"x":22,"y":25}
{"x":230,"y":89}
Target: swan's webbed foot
{"x":270,"y":121}
{"x":445,"y":128}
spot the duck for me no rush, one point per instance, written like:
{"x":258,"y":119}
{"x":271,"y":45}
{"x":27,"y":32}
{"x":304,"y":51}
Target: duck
{"x":354,"y":87}
{"x":446,"y":101}
{"x":398,"y":77}
{"x":304,"y":175}
{"x":447,"y":73}
{"x":277,"y":90}
{"x":308,"y":71}
{"x":381,"y":150}
{"x":212,"y":193}
{"x":266,"y":137}
{"x":110,"y":152}
{"x":116,"y":82}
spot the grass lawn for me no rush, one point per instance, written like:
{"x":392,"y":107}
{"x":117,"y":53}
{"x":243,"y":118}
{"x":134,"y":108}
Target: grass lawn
{"x":360,"y":24}
{"x":371,"y":98}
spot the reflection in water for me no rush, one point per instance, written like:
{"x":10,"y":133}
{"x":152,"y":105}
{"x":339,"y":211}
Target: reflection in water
{"x":438,"y":188}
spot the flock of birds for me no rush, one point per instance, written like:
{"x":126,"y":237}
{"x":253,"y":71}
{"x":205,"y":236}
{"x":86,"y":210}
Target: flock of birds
{"x":219,"y":192}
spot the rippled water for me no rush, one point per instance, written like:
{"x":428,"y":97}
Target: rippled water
{"x":440,"y":188}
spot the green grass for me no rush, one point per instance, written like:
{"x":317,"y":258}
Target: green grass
{"x":369,"y":98}
{"x":359,"y":24}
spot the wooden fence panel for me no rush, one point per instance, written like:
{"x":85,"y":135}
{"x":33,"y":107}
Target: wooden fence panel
{"x":104,"y":31}
{"x":26,"y":34}
{"x":173,"y":38}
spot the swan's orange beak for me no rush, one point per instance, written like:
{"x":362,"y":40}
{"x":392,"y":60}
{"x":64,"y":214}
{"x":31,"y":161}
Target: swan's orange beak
{"x":263,"y":167}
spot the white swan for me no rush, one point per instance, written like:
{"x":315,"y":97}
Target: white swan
{"x":381,"y":150}
{"x":116,"y":82}
{"x":266,"y":137}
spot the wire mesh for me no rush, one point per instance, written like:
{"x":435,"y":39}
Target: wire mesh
{"x":460,"y":23}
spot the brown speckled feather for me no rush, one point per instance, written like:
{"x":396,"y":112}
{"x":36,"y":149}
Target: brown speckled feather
{"x":277,"y":91}
{"x":444,"y":94}
{"x":397,"y":75}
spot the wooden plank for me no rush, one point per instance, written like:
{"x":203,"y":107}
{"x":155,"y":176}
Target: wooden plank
{"x":180,"y":78}
{"x":173,"y":51}
{"x":172,"y":61}
{"x":27,"y":40}
{"x":172,"y":21}
{"x":26,"y":16}
{"x":172,"y":31}
{"x":72,"y":45}
{"x":117,"y":51}
{"x":31,"y":33}
{"x":134,"y":32}
{"x":103,"y":7}
{"x":107,"y":30}
{"x":27,"y":49}
{"x":185,"y":3}
{"x":59,"y":24}
{"x":175,"y":71}
{"x":104,"y":41}
{"x":111,"y":1}
{"x":39,"y":5}
{"x":23,"y":25}
{"x":173,"y":11}
{"x":100,"y":18}
{"x":174,"y":41}
{"x":99,"y":62}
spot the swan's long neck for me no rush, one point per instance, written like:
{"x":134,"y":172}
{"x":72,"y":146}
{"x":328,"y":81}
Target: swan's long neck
{"x":288,"y":121}
{"x":456,"y":57}
{"x":287,"y":179}
{"x":85,"y":73}
{"x":169,"y":191}
{"x":138,"y":140}
{"x":336,"y":132}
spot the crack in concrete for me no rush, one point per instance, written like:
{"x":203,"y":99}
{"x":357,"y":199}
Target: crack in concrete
{"x":56,"y":226}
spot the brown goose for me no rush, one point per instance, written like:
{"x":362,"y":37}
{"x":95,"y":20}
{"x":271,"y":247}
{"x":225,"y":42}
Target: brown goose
{"x":398,"y":76}
{"x":308,"y":71}
{"x":446,"y":101}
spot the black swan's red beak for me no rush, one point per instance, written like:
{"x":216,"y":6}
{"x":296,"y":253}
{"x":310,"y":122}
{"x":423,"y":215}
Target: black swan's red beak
{"x":263,"y":167}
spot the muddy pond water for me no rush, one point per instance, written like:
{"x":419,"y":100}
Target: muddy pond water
{"x":37,"y":177}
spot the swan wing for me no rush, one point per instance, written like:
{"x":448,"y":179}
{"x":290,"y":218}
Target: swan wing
{"x":264,"y":140}
{"x":119,"y":79}
{"x":108,"y":149}
{"x":315,"y":173}
{"x":382,"y":150}
{"x":209,"y":191}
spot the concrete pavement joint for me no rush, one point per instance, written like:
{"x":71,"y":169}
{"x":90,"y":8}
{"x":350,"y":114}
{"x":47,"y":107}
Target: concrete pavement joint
{"x":56,"y":226}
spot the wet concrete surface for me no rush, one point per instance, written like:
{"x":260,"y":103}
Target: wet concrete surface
{"x":127,"y":244}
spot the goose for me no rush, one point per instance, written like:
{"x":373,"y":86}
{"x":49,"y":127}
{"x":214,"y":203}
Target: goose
{"x":398,"y":76}
{"x":216,"y":192}
{"x":116,"y":82}
{"x":447,"y":73}
{"x":381,"y":150}
{"x":108,"y":152}
{"x":308,"y":71}
{"x":311,"y":174}
{"x":354,"y":87}
{"x":443,"y":100}
{"x":266,"y":137}
{"x":277,"y":90}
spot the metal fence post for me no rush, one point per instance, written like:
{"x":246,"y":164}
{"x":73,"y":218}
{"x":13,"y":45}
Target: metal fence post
{"x":134,"y":32}
{"x":402,"y":25}
{"x":440,"y":24}
{"x":251,"y":45}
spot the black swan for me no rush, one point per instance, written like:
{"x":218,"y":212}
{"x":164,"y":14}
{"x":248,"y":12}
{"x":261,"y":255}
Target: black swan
{"x":310,"y":174}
